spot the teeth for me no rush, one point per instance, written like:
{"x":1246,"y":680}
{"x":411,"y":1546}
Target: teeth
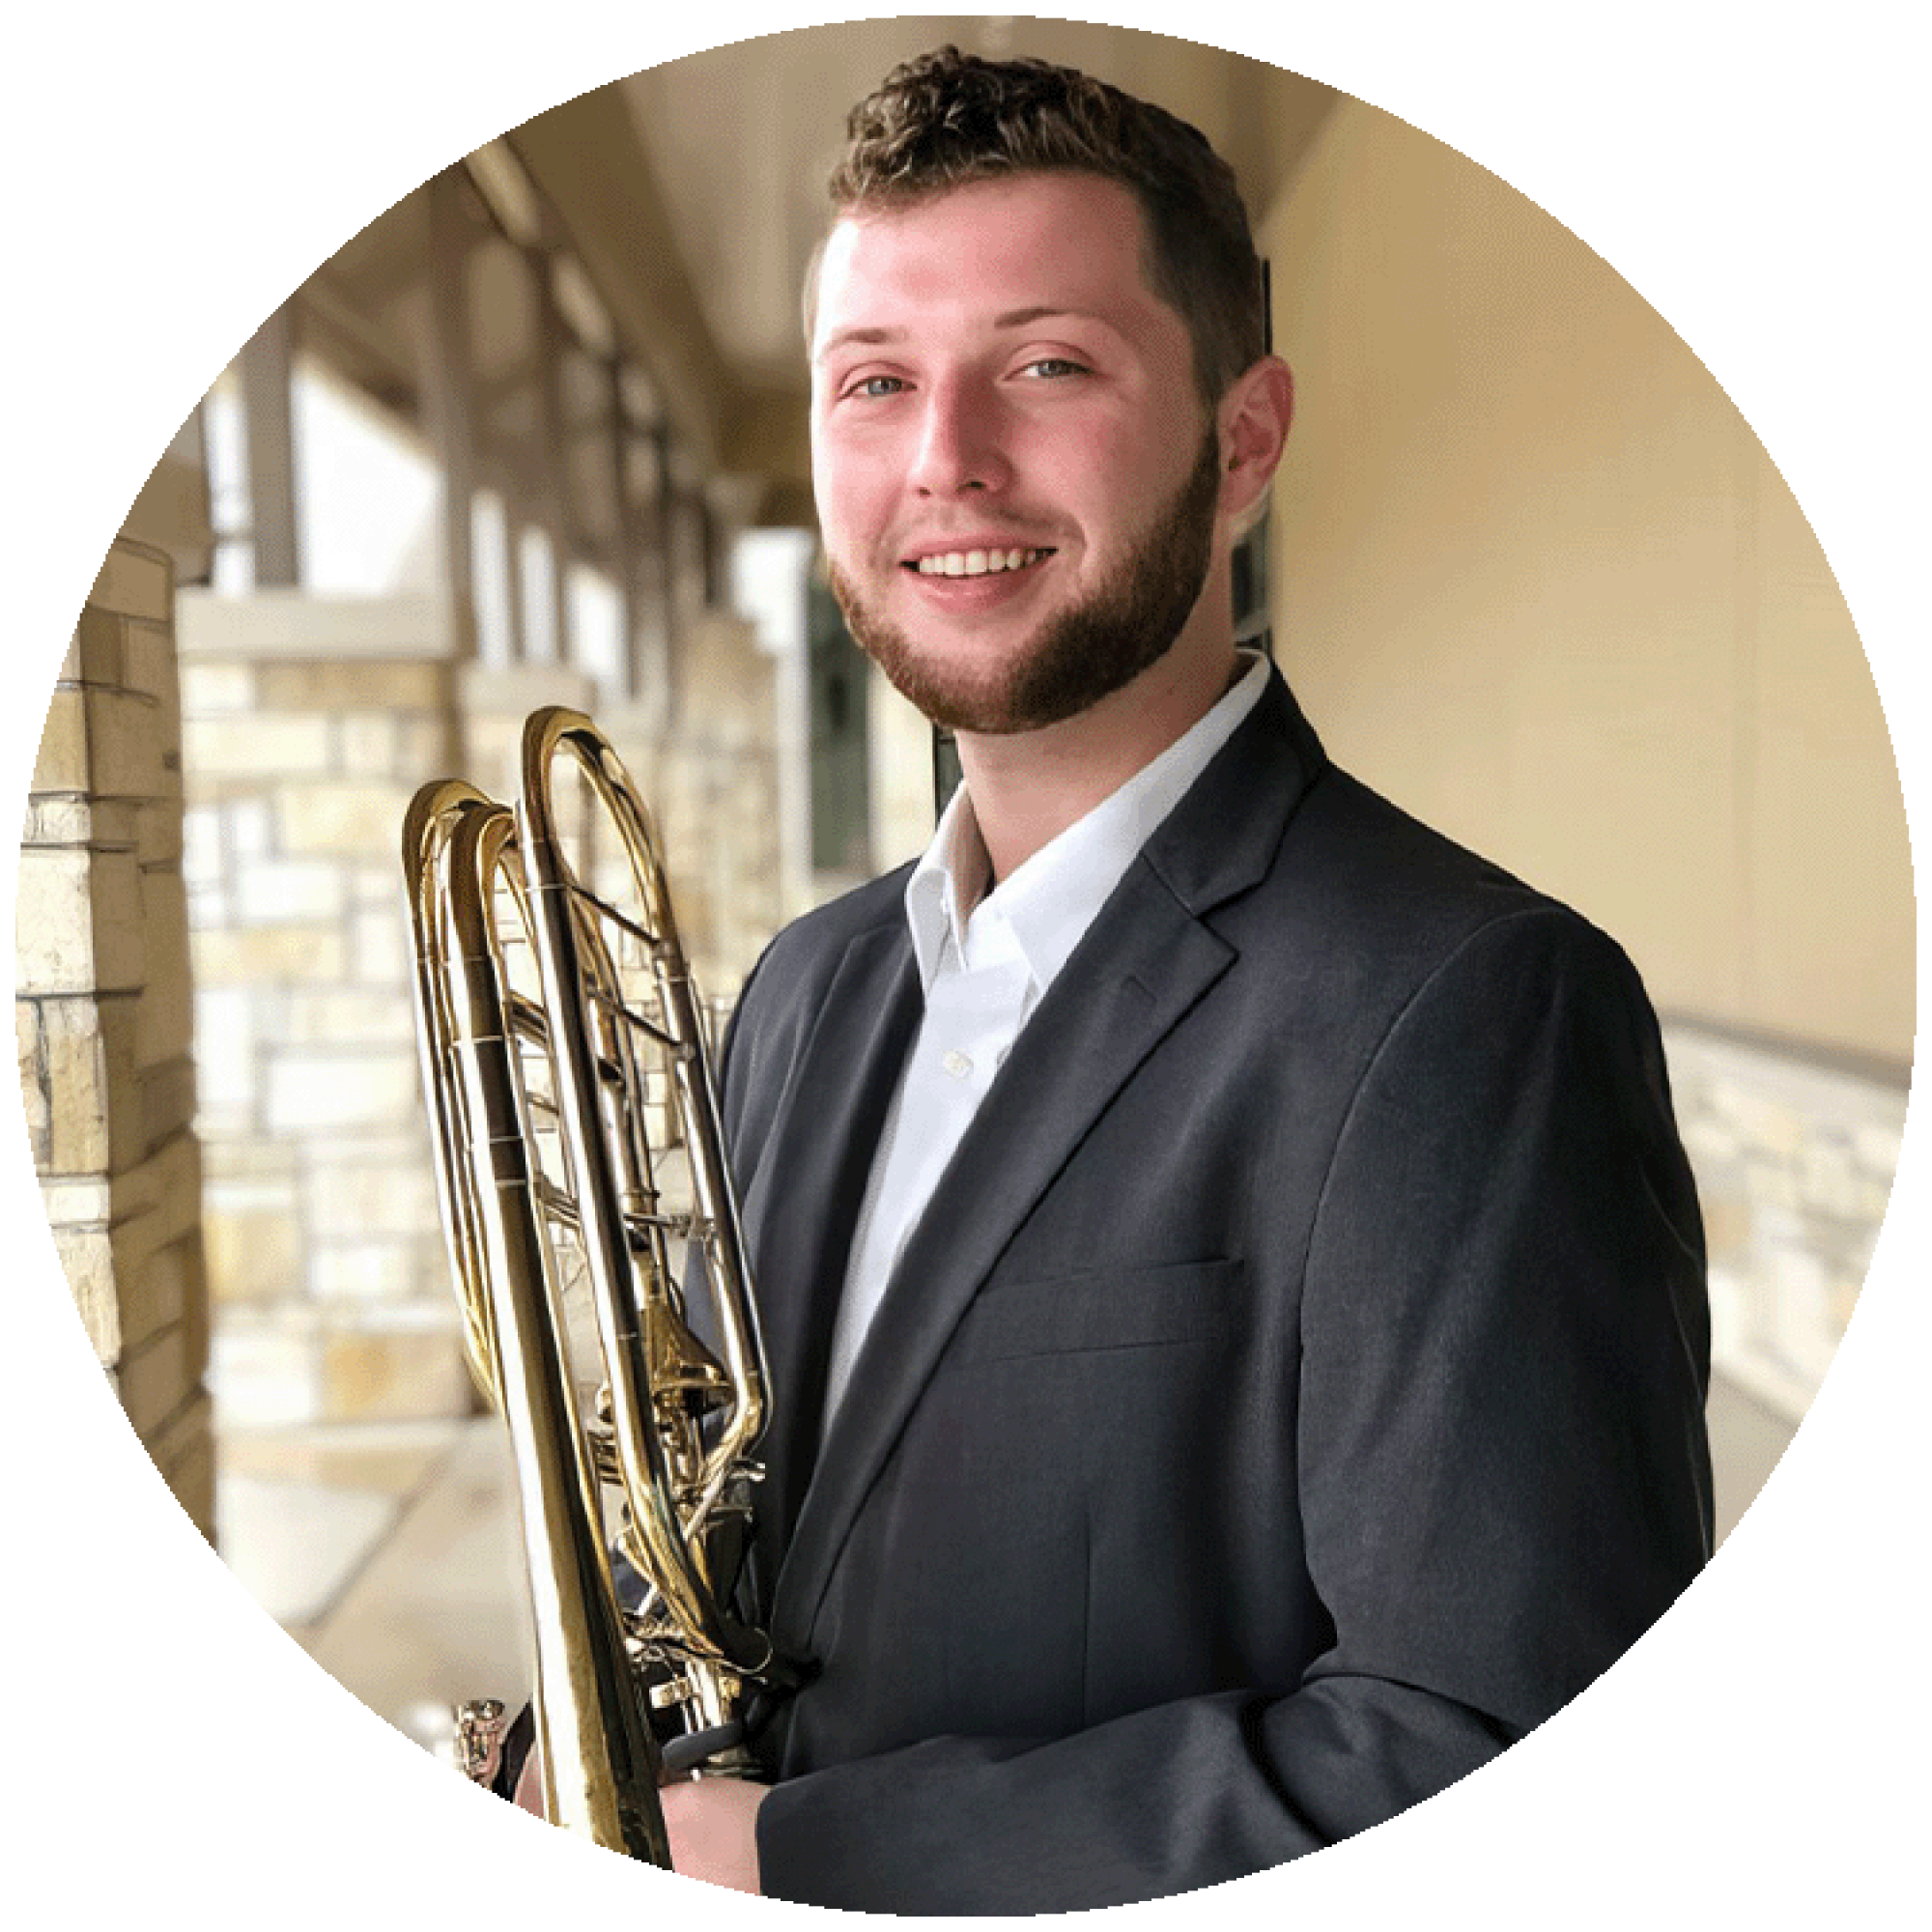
{"x":977,"y":563}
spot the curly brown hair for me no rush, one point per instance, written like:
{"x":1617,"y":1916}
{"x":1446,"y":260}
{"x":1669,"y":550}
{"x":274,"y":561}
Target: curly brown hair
{"x":946,"y":118}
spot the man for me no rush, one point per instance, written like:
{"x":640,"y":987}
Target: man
{"x":1234,"y":1290}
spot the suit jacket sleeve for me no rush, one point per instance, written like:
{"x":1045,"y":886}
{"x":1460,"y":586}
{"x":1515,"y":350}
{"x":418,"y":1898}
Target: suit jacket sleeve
{"x":1499,"y":1456}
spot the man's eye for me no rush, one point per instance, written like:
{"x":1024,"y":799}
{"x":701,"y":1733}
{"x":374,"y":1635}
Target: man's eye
{"x":876,"y":385}
{"x":1056,"y":366}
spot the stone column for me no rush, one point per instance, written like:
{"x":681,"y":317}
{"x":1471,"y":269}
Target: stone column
{"x":103,"y":1014}
{"x":309,"y":723}
{"x":713,"y":786}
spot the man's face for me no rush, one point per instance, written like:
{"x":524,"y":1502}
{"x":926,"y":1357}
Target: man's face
{"x":1017,"y":481}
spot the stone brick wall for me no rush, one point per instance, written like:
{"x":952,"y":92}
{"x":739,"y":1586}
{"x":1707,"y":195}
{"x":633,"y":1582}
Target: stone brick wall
{"x":713,"y":789}
{"x":1793,"y":1154}
{"x":307,"y":726}
{"x":103,"y":1014}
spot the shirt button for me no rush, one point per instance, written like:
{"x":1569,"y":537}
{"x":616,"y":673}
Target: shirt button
{"x":956,"y":1064}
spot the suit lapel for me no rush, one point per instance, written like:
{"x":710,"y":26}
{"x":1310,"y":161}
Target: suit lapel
{"x":1079,"y":1049}
{"x":811,"y":1180}
{"x":1144,"y":963}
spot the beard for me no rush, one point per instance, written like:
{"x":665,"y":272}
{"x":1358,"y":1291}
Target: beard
{"x":1079,"y":655}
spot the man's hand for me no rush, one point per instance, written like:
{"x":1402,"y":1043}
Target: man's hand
{"x":529,"y":1782}
{"x":713,"y":1826}
{"x":712,"y":1823}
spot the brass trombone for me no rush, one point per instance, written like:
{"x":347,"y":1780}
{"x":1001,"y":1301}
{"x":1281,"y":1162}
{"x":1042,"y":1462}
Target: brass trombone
{"x":557,"y":1026}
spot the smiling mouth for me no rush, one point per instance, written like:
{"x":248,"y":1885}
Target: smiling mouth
{"x":975,"y":562}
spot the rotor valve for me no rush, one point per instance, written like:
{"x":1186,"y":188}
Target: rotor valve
{"x":480,"y":1725}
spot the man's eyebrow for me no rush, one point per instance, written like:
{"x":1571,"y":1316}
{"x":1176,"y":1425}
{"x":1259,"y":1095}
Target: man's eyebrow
{"x":863,"y":336}
{"x":1021,"y":317}
{"x":1012,"y":318}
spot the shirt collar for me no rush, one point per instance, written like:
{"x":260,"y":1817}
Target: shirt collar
{"x":1049,"y":902}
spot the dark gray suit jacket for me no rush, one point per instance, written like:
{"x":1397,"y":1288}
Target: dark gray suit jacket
{"x":1293,"y":1394}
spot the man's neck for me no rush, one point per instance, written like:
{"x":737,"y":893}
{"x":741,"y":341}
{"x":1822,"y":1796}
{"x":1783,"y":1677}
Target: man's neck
{"x":1029,"y":786}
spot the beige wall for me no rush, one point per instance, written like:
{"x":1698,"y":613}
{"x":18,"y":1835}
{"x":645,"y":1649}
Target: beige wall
{"x":1536,"y":580}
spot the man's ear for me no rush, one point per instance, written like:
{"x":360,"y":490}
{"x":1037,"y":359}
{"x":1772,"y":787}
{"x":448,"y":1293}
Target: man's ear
{"x":1253,"y":418}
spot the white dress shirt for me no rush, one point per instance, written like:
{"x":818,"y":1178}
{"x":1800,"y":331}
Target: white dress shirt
{"x":985,"y":962}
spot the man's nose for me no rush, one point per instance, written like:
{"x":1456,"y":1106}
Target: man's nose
{"x":962,"y":443}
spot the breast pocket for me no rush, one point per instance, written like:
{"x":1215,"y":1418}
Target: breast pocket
{"x":1098,"y":1310}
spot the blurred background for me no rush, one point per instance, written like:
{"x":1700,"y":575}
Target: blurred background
{"x":538,"y":436}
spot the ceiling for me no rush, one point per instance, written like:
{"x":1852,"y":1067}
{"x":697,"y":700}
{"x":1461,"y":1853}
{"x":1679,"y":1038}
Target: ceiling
{"x":692,"y":194}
